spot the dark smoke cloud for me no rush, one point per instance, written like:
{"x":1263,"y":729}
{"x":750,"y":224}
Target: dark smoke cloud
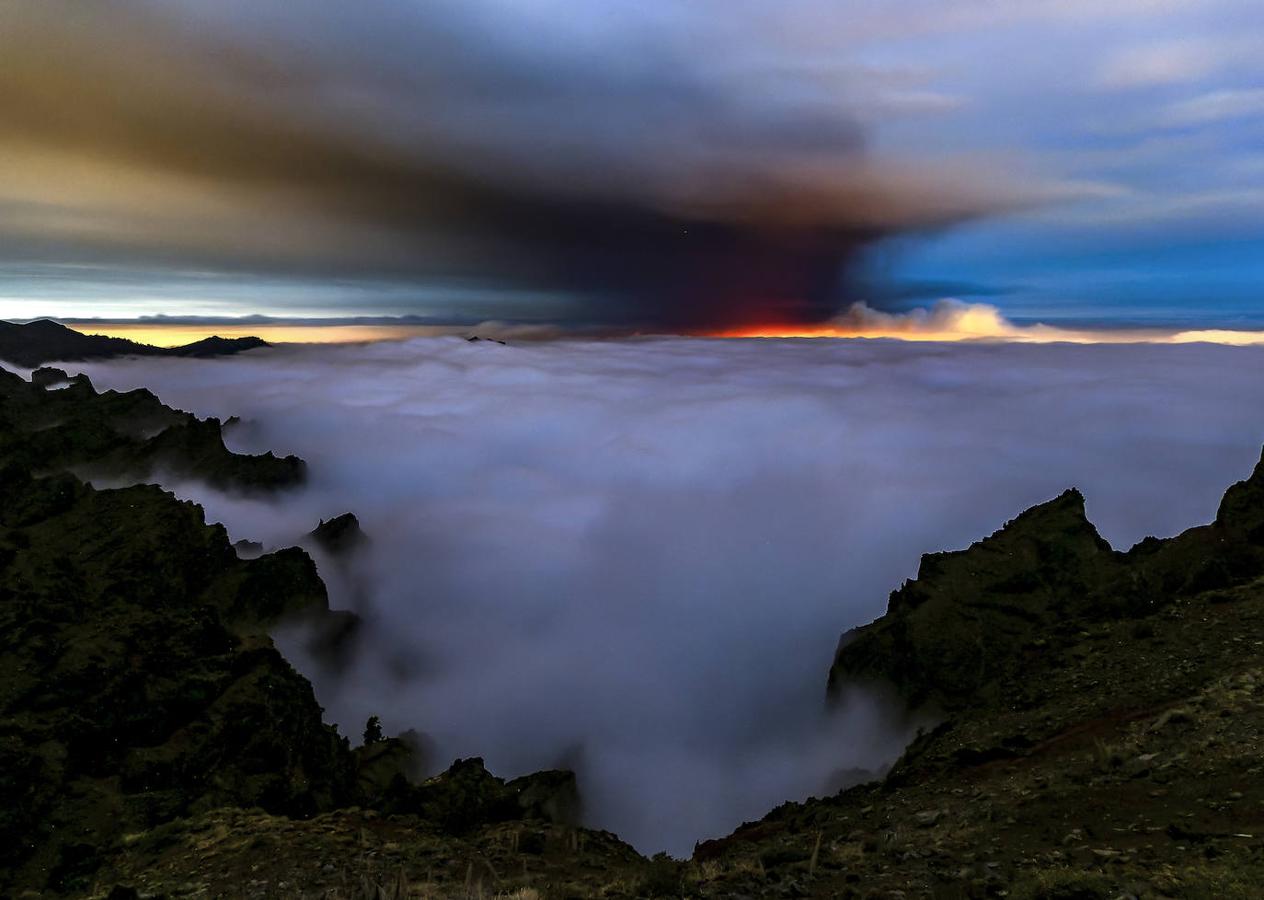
{"x":637,"y":556}
{"x":616,"y":161}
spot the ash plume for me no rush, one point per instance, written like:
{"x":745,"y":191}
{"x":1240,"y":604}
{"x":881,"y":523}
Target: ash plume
{"x":646,"y":185}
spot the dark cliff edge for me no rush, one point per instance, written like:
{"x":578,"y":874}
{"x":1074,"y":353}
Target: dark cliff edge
{"x":140,"y":694}
{"x":1100,"y":725}
{"x":974,"y":619}
{"x":42,"y":341}
{"x":57,"y":422}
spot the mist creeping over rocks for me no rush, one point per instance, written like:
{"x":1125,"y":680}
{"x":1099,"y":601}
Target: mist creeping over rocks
{"x":635,"y":558}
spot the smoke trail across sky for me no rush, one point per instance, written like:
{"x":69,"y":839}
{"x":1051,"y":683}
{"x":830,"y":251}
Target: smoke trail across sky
{"x":594,"y":156}
{"x":635,"y":557}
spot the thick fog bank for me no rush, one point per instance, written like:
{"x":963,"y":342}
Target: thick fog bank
{"x":635,"y":558}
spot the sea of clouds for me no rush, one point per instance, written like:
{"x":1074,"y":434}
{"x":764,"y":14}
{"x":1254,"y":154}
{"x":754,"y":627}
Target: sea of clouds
{"x":635,"y":558}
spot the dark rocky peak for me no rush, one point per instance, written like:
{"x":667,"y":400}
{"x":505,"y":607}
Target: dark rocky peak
{"x":49,"y":377}
{"x":467,"y":795}
{"x":958,"y":629}
{"x":1241,"y":510}
{"x":40,"y":326}
{"x":1041,"y":549}
{"x":218,"y":346}
{"x":128,"y":435}
{"x":247,"y":549}
{"x":46,"y":376}
{"x":44,"y":340}
{"x":339,"y":536}
{"x":196,"y":448}
{"x":976,"y":620}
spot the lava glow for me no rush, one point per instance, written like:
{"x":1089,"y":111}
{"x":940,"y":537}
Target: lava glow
{"x":951,"y":320}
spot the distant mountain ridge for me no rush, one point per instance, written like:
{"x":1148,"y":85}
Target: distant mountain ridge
{"x":44,"y":340}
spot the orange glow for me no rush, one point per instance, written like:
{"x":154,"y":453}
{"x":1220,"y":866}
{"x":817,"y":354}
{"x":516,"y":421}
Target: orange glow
{"x":955,"y":321}
{"x":1033,"y":335}
{"x":946,"y":321}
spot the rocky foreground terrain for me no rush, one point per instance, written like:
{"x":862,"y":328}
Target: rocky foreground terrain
{"x":1099,"y":714}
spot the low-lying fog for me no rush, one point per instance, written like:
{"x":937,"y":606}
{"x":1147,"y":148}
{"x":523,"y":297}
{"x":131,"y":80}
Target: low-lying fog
{"x":635,"y":558}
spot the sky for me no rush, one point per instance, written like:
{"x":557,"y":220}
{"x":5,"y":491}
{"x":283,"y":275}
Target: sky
{"x":707,"y":166}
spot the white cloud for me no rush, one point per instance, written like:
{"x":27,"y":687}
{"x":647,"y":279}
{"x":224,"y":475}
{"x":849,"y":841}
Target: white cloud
{"x":636,"y":556}
{"x":1213,"y":107}
{"x":1173,"y":62}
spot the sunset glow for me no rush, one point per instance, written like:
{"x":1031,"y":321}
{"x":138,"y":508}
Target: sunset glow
{"x":166,"y":335}
{"x":945,"y":321}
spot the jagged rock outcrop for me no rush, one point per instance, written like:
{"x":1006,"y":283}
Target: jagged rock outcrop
{"x":217,"y":346}
{"x":382,"y":762}
{"x":467,"y":796}
{"x":339,"y":536}
{"x":138,"y":683}
{"x":969,"y":617}
{"x":974,"y":618}
{"x":1099,"y":725}
{"x":44,"y":340}
{"x":129,"y":435}
{"x":552,"y":796}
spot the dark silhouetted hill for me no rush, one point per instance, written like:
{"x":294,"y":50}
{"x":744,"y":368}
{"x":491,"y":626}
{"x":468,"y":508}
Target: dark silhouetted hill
{"x":44,"y":340}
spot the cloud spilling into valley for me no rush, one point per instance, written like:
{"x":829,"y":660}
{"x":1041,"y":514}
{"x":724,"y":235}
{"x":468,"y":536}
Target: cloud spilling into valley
{"x":594,"y":154}
{"x":635,"y":557}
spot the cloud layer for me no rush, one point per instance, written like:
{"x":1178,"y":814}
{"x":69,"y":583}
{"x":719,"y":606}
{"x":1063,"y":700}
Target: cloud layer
{"x":635,"y":557}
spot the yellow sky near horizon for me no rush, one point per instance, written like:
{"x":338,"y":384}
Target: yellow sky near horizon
{"x":167,"y":335}
{"x":953,"y":323}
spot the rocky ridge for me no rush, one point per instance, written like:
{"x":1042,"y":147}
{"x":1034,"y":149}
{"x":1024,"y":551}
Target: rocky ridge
{"x":59,"y":423}
{"x":138,"y":684}
{"x":35,"y":343}
{"x":1100,"y":725}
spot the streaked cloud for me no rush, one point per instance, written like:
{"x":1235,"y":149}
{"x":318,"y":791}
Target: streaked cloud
{"x":1176,"y":62}
{"x":1213,"y":107}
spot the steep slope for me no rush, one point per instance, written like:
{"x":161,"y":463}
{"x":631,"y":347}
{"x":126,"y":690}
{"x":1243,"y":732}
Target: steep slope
{"x":974,"y":618}
{"x":1100,"y":725}
{"x":954,"y":634}
{"x":56,"y":422}
{"x":139,"y":687}
{"x":137,"y":684}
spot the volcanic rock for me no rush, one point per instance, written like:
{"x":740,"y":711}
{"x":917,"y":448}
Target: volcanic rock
{"x":339,"y":536}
